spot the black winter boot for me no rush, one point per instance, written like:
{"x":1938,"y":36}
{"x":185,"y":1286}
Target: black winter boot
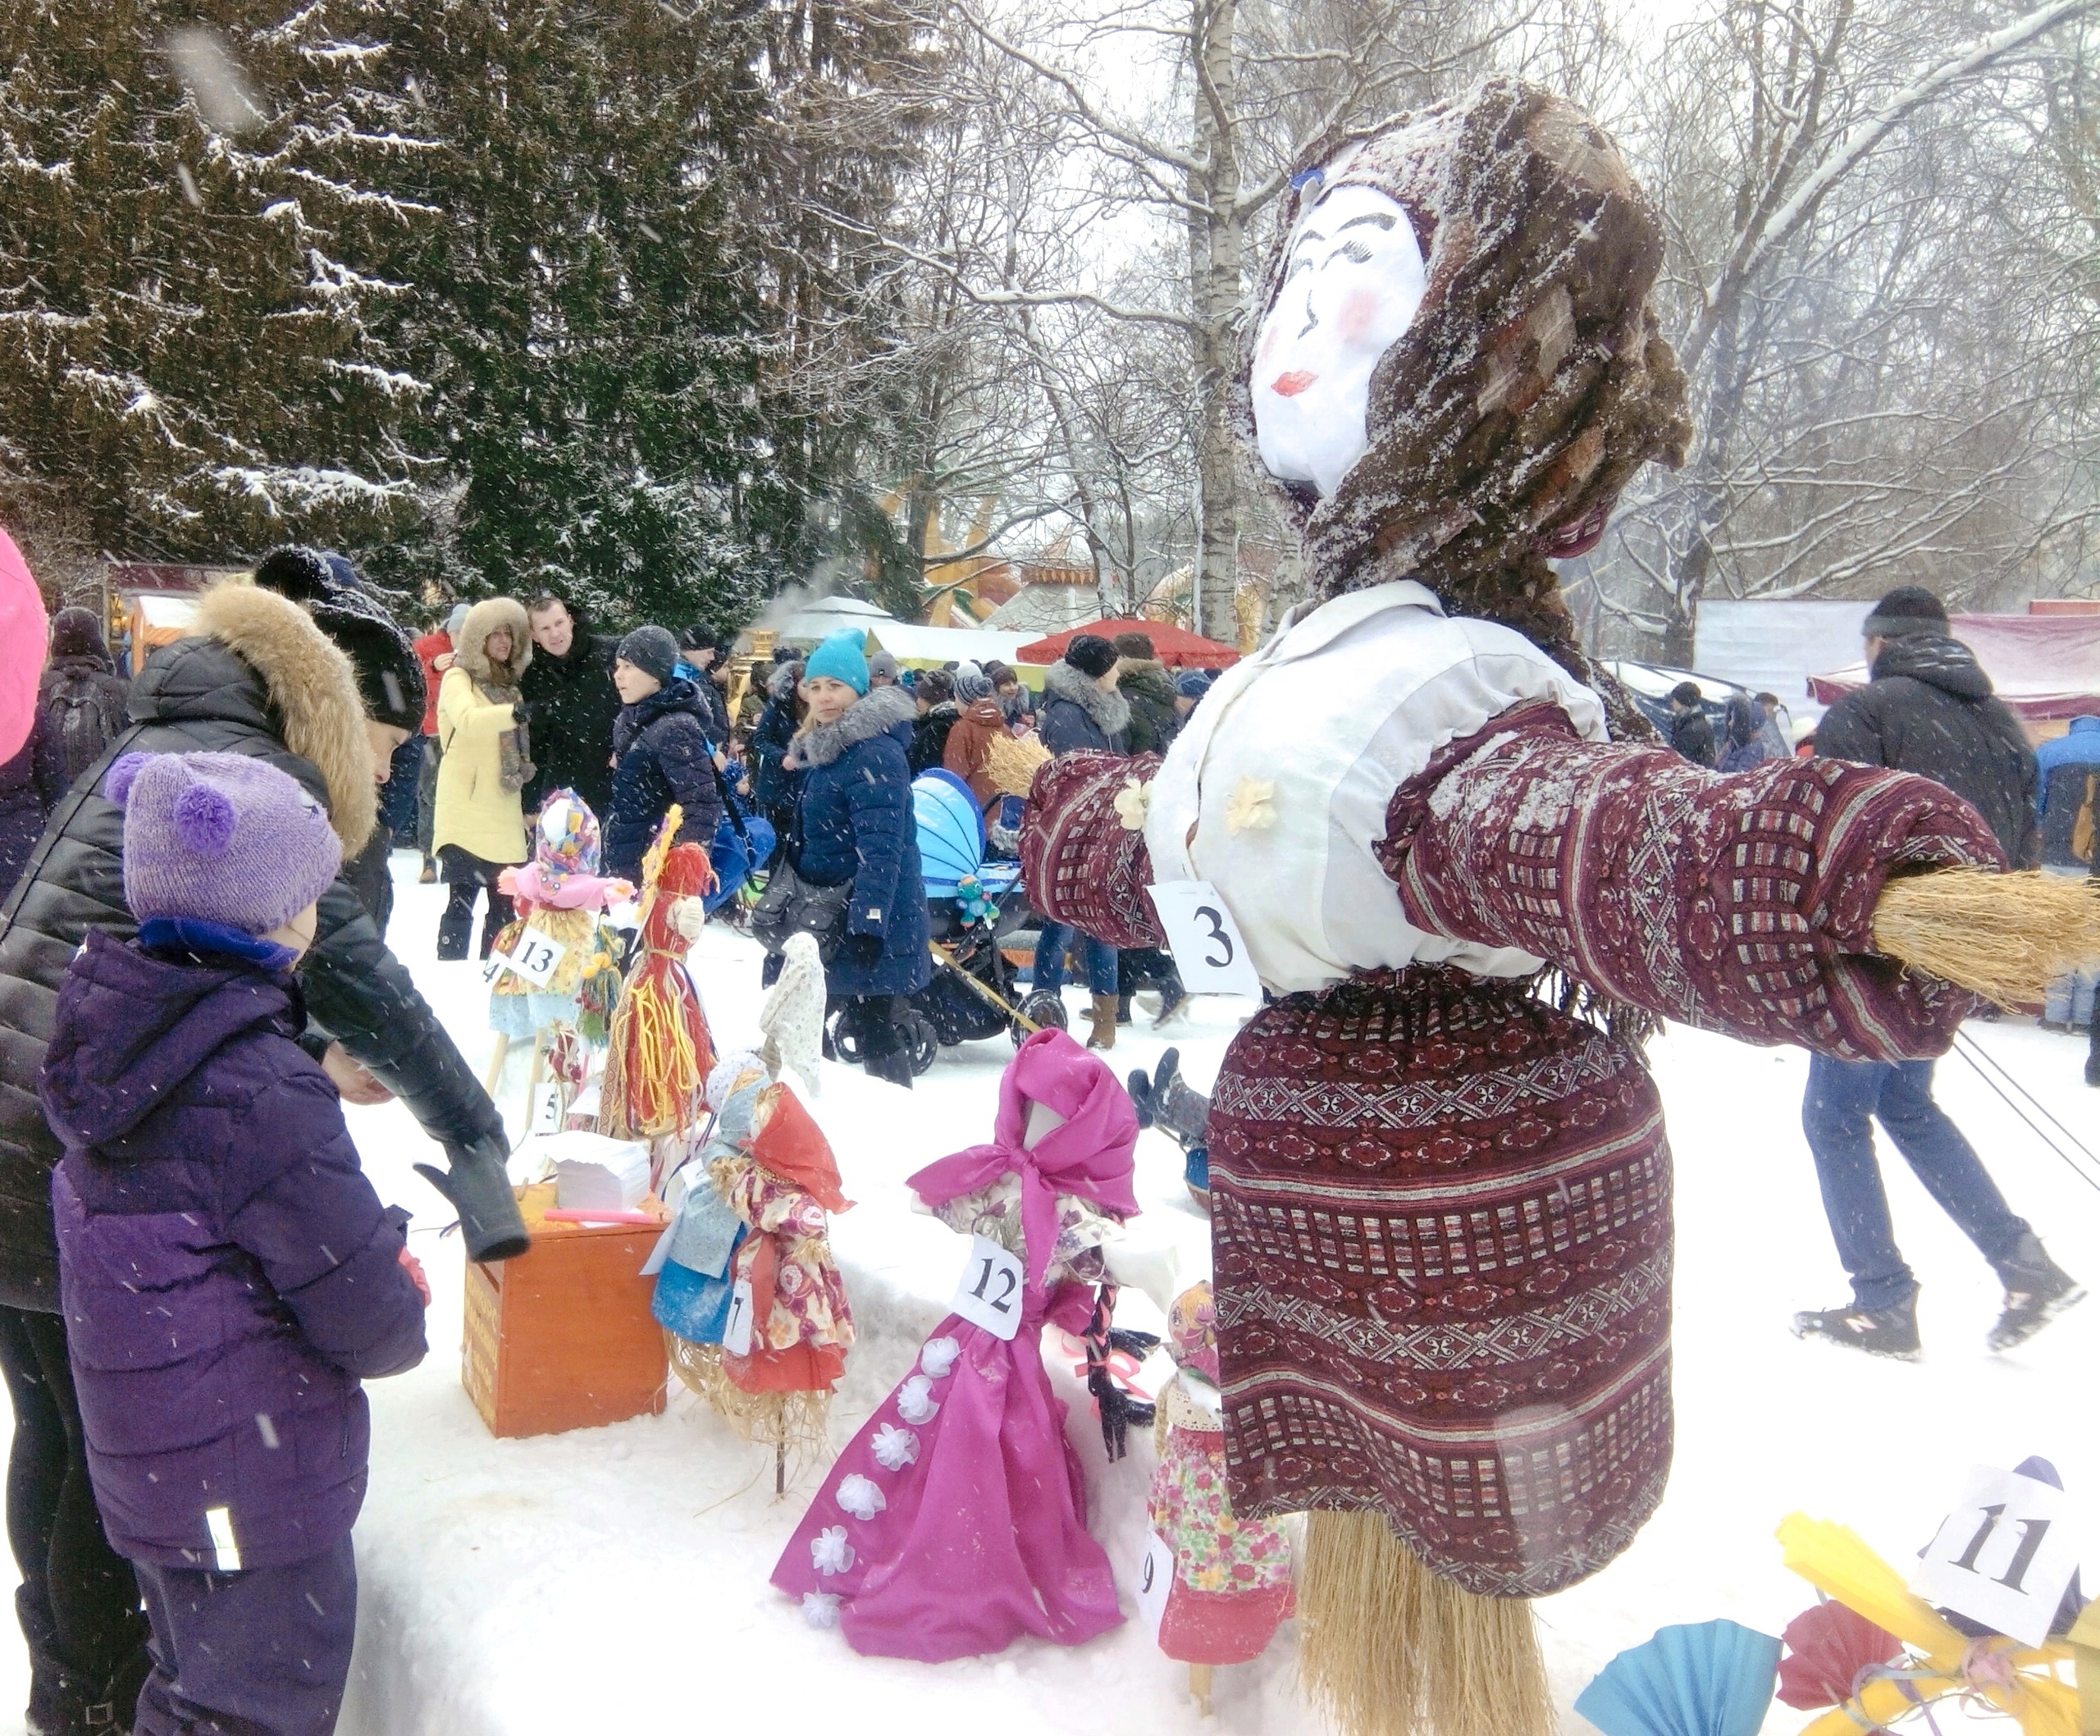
{"x":455,"y":928}
{"x":2037,"y":1289}
{"x":882,"y":1052}
{"x":1881,"y":1331}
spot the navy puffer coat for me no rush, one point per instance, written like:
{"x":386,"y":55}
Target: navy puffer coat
{"x":227,"y":1274}
{"x":664,"y":757}
{"x":854,"y":822}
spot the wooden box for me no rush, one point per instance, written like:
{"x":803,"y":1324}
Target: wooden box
{"x":562,"y":1337}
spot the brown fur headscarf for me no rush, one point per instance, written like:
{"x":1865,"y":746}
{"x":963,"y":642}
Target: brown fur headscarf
{"x":1533,"y":382}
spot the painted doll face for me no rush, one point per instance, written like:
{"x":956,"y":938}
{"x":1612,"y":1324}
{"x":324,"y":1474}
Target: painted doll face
{"x":1351,"y":288}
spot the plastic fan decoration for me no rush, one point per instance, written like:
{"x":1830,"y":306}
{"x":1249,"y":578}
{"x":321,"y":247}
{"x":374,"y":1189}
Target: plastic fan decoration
{"x":1713,"y":1679}
{"x":23,"y":632}
{"x":1938,"y":1662}
{"x":1830,"y":1650}
{"x":660,"y":1053}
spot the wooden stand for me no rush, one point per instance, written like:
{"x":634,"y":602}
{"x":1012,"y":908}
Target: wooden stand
{"x":1200,"y":1688}
{"x":562,"y":1337}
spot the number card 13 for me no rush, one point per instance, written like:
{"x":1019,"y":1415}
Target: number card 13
{"x":2005,"y":1556}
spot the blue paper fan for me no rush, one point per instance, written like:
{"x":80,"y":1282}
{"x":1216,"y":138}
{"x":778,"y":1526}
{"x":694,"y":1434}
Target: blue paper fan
{"x":1710,"y":1678}
{"x":951,"y":829}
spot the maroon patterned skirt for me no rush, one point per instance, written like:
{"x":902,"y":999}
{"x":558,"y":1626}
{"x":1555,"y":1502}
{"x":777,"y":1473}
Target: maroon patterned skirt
{"x":1442,"y":1215}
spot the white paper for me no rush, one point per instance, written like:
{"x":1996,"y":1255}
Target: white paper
{"x":625,"y":914}
{"x":736,"y":1335}
{"x":2005,"y":1556}
{"x":989,"y":1292}
{"x":535,"y":957}
{"x":1208,"y":949}
{"x":593,"y":1173}
{"x":1155,"y":1580}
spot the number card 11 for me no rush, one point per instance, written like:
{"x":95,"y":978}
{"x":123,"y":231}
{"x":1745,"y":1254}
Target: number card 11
{"x":1208,"y":949}
{"x":2005,"y":1556}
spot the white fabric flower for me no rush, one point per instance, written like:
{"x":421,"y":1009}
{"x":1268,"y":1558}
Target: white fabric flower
{"x":895,"y":1448}
{"x":914,"y":1401}
{"x":858,"y":1495}
{"x":829,"y":1552}
{"x":820,"y":1609}
{"x":937,"y":1355}
{"x":1131,"y":802}
{"x":1252,"y":807}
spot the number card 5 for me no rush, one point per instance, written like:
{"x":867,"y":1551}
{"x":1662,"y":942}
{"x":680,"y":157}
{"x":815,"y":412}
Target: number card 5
{"x":2005,"y":1556}
{"x":1207,"y":947}
{"x":989,"y":1294}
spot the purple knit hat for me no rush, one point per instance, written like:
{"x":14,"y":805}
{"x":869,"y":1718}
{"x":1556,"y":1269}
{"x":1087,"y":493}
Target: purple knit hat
{"x":220,"y":838}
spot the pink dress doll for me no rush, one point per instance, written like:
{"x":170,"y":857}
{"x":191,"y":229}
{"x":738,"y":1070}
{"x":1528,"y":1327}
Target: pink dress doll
{"x":1232,"y":1584}
{"x":956,"y":1520}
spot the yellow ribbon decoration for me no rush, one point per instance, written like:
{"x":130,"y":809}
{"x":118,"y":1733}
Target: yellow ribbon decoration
{"x":2022,"y":1683}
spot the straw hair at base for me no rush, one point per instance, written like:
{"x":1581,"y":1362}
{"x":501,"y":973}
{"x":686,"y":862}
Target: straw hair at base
{"x":1011,"y":762}
{"x":1389,"y":1649}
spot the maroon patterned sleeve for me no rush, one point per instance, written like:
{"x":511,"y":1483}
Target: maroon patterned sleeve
{"x":1743,"y":903}
{"x":1080,"y":863}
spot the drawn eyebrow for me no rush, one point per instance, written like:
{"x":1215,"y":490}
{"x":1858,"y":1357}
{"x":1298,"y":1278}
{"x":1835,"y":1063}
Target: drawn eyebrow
{"x":1314,"y":234}
{"x":1383,"y":219}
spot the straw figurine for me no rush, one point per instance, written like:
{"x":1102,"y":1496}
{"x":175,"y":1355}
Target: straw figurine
{"x":561,"y":901}
{"x":660,"y":1050}
{"x":1231,"y":1586}
{"x":770,"y":1352}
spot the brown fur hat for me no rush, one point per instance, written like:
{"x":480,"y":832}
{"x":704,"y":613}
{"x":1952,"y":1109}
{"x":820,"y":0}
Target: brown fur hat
{"x":313,"y":689}
{"x":1533,"y":382}
{"x":493,"y":614}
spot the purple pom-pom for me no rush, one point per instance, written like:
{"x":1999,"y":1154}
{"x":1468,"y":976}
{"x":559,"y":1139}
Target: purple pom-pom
{"x":122,"y":776}
{"x":204,"y":819}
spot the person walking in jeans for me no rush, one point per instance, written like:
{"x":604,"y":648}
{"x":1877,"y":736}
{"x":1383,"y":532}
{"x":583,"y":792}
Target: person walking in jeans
{"x":1928,"y":708}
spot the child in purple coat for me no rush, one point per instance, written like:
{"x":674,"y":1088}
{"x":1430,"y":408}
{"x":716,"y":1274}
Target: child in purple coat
{"x":227,"y":1274}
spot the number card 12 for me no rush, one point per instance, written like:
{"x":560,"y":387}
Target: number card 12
{"x":2005,"y":1556}
{"x":1209,"y":948}
{"x":989,"y":1293}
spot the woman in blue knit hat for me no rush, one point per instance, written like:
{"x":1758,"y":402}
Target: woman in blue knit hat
{"x":853,"y":821}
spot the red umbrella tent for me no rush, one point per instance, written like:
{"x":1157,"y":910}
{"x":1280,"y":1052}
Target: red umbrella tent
{"x":1176,"y":646}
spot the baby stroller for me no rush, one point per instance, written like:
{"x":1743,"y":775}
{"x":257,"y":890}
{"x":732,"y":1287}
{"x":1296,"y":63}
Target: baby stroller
{"x":972,"y":907}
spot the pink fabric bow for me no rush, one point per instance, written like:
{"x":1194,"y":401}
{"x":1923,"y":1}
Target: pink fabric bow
{"x":1088,"y":1155}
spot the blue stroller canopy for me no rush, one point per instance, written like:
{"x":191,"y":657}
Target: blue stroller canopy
{"x":950,"y":831}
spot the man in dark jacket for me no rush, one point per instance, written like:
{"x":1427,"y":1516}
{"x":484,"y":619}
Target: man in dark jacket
{"x":934,"y":697}
{"x":665,"y":755}
{"x":1926,"y":708}
{"x":228,"y":1273}
{"x":568,"y":684}
{"x":80,"y":699}
{"x":1692,"y":731}
{"x":1143,"y":681}
{"x":257,"y":677}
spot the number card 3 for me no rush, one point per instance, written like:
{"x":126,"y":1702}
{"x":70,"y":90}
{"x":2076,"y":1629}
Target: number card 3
{"x":1207,"y":944}
{"x":989,"y":1293}
{"x":2005,"y":1556}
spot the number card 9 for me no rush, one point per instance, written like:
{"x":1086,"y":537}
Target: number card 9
{"x":2005,"y":1556}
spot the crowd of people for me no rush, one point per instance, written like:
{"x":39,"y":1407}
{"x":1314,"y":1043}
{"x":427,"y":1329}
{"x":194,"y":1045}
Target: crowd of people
{"x":148,"y":807}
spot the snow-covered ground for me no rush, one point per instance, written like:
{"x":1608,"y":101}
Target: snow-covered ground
{"x":615,"y":1578}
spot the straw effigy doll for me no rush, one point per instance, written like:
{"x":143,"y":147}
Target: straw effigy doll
{"x":1439,"y":1184}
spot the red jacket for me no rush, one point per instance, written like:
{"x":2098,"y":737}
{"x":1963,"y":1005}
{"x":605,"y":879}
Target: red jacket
{"x":429,"y":649}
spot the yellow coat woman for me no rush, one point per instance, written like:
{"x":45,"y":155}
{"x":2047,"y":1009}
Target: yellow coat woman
{"x":480,"y":816}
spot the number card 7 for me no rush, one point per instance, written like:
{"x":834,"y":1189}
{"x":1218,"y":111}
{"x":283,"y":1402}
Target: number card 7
{"x":989,"y":1293}
{"x":2005,"y":1556}
{"x":1209,"y":948}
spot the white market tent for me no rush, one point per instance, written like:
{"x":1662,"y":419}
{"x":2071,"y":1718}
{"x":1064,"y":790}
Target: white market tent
{"x":1773,"y":647}
{"x":909,"y":641}
{"x":829,"y":615}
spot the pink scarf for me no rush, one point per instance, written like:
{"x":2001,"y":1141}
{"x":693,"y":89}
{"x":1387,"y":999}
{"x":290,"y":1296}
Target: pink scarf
{"x":536,"y":887}
{"x":1089,"y":1155}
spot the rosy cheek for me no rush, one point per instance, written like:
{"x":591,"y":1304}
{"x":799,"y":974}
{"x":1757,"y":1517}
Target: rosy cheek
{"x":1268,"y":342}
{"x":1358,"y":314}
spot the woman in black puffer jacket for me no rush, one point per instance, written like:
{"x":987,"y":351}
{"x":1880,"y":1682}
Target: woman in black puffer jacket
{"x":663,"y":755}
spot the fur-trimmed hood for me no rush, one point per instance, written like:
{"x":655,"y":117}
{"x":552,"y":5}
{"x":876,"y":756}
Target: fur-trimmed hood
{"x":878,"y":711}
{"x":490,"y":615}
{"x":311,"y":688}
{"x":1111,"y":712}
{"x":781,"y":682}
